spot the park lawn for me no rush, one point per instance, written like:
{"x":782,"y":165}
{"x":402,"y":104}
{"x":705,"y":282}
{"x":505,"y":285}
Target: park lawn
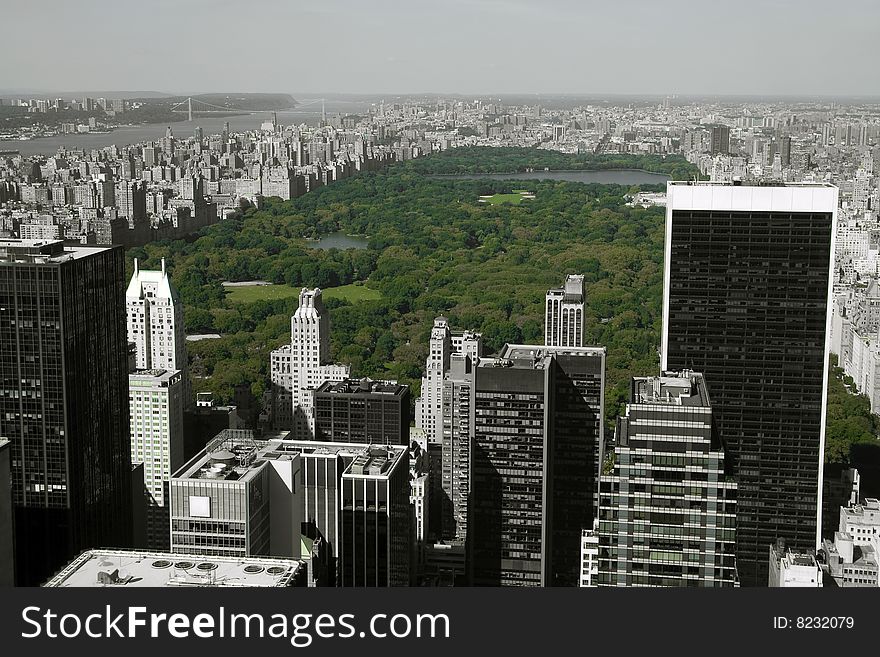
{"x":352,"y":293}
{"x":252,"y":293}
{"x":515,"y":199}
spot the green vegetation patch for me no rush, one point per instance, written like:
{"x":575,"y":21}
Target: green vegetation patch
{"x":252,"y":293}
{"x":352,"y":293}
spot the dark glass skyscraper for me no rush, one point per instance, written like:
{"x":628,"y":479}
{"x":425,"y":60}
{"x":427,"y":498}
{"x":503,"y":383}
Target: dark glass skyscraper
{"x":64,"y":400}
{"x":746,"y":302}
{"x":537,"y":442}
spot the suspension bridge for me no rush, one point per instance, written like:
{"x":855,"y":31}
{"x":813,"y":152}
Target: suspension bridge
{"x":190,"y":105}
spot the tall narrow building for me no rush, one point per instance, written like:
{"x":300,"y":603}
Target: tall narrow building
{"x":437,"y":407}
{"x":299,"y":368}
{"x":63,"y":400}
{"x":156,"y":403}
{"x":455,"y":456}
{"x":159,"y":392}
{"x":746,"y":301}
{"x":667,"y":509}
{"x":564,"y":314}
{"x":536,"y":447}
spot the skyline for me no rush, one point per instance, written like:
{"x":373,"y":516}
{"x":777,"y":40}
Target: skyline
{"x":460,"y":47}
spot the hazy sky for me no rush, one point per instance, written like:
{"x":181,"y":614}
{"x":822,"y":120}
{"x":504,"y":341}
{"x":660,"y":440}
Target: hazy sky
{"x":444,"y":46}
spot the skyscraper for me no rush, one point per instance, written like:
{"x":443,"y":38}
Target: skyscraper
{"x":436,"y":410}
{"x":299,"y":368}
{"x":720,"y":140}
{"x":156,"y":404}
{"x":564,"y":314}
{"x":455,"y":453}
{"x":155,"y":320}
{"x":63,"y":406}
{"x":377,"y":536}
{"x":536,"y":446}
{"x":748,"y":273}
{"x":667,"y":510}
{"x":443,"y":343}
{"x":7,"y":537}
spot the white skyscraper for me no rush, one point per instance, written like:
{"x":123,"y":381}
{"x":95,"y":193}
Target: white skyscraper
{"x":159,"y":391}
{"x":564,"y":323}
{"x":299,"y":368}
{"x":156,"y":403}
{"x":155,"y":321}
{"x":443,"y":343}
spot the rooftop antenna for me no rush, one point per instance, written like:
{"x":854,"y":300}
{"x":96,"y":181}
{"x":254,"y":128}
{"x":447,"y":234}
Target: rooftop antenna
{"x":163,"y":266}
{"x":135,"y":266}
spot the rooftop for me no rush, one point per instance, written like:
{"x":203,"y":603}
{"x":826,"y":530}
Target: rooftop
{"x":153,"y":377}
{"x":535,"y":354}
{"x":133,"y":568}
{"x":43,"y":251}
{"x":684,"y":388}
{"x":234,"y":455}
{"x":867,"y":513}
{"x":362,"y":386}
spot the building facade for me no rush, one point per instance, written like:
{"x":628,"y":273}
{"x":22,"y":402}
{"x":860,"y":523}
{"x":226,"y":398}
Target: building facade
{"x":667,"y":510}
{"x":155,"y":323}
{"x":302,"y":366}
{"x":156,"y":404}
{"x":244,"y":497}
{"x":64,"y":372}
{"x":7,"y":537}
{"x":536,"y":445}
{"x":564,"y":314}
{"x":377,"y":535}
{"x":748,"y":273}
{"x":362,"y":411}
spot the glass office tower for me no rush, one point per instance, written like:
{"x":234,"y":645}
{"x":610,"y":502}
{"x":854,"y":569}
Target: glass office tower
{"x":748,"y":273}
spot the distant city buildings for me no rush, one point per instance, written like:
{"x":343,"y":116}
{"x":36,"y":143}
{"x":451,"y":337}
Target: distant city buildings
{"x":507,"y":478}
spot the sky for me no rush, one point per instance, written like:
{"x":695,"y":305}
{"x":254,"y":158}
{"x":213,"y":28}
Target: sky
{"x":469,"y":47}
